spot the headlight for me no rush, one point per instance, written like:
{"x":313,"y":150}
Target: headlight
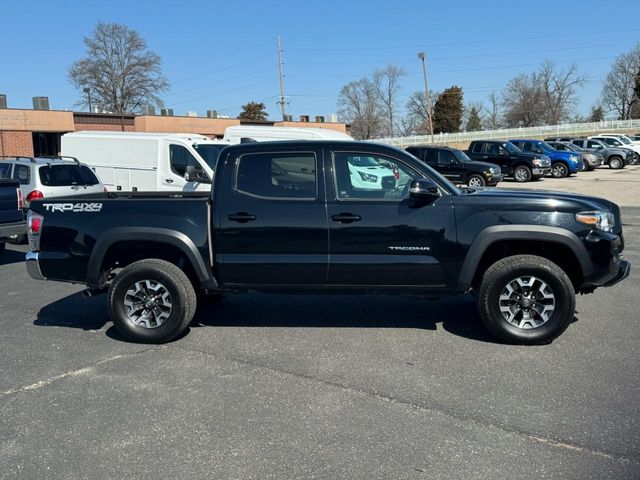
{"x":367,"y":177}
{"x":538,"y":162}
{"x":575,"y":158}
{"x":600,"y":220}
{"x":495,"y":170}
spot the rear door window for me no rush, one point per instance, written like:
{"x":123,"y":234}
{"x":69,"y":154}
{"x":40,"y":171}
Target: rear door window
{"x":22,"y":173}
{"x":5,"y":170}
{"x":65,"y":175}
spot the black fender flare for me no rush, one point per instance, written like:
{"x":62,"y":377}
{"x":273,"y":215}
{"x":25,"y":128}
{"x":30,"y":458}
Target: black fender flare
{"x":150,"y":234}
{"x":541,"y":233}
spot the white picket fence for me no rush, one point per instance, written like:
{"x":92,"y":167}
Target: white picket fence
{"x":568,"y":129}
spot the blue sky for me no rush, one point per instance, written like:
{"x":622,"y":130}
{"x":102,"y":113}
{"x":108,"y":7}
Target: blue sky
{"x":219,"y":55}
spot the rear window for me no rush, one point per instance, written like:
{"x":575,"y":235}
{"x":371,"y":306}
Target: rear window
{"x":63,"y":175}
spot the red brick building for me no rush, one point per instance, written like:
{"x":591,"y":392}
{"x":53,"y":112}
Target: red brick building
{"x":38,"y":132}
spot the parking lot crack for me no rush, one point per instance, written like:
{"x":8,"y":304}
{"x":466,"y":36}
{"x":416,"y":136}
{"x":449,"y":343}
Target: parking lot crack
{"x":72,"y":373}
{"x":456,"y":415}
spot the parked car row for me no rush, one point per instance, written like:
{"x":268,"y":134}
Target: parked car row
{"x":487,"y":162}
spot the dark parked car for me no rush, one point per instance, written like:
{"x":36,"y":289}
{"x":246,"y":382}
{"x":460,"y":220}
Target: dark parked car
{"x":12,"y":221}
{"x":306,"y":226}
{"x":457,"y":167}
{"x":591,"y":160}
{"x":563,"y":164}
{"x":513,"y":162}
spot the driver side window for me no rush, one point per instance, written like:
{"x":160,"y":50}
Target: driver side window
{"x":363,"y":176}
{"x":445,"y":158}
{"x":180,"y":158}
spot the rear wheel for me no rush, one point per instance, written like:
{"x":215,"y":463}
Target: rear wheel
{"x":559,"y":170}
{"x":151,"y":301}
{"x":616,"y":163}
{"x":526,"y":299}
{"x":476,"y":181}
{"x":522,"y":174}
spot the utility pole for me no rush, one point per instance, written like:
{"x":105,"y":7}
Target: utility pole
{"x":283,"y":100}
{"x":422,"y":56}
{"x":87,"y":90}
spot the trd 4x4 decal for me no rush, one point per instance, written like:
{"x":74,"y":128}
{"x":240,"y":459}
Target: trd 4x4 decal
{"x":73,"y":207}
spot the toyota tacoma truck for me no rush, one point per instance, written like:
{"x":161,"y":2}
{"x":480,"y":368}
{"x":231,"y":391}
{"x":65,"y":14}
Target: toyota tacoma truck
{"x":287,"y":217}
{"x":12,"y":221}
{"x":513,"y":162}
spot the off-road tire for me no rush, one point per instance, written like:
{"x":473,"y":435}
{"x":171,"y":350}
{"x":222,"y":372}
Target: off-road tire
{"x":501,"y":273}
{"x":182,"y":294}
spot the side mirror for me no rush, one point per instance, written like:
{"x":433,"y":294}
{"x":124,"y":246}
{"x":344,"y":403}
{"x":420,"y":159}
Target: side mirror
{"x":423,"y":190}
{"x":191,"y":175}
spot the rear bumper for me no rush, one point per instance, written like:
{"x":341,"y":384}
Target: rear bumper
{"x":13,"y":229}
{"x":33,"y":266}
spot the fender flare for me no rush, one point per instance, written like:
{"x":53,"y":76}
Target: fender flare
{"x":150,"y":234}
{"x":540,"y":233}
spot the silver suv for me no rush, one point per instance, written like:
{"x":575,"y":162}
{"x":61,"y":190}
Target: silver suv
{"x":44,"y":177}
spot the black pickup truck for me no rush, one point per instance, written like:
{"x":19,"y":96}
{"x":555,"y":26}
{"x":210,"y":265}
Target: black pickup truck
{"x":11,"y":214}
{"x":522,"y":166}
{"x":306,"y":216}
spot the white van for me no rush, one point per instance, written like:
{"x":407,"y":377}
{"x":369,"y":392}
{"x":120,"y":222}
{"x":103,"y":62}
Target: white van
{"x":235,"y":134}
{"x":146,"y":161}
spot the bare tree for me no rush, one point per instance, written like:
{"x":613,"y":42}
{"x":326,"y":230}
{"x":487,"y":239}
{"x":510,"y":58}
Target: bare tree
{"x":493,"y":116}
{"x":386,"y":82}
{"x":559,"y":91}
{"x":618,"y":91}
{"x":523,"y":101}
{"x":358,"y":105}
{"x":407,"y":126}
{"x":122,"y":73}
{"x":418,"y":110}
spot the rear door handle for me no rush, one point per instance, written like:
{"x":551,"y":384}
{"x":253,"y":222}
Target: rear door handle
{"x":241,"y":217}
{"x":346,"y":218}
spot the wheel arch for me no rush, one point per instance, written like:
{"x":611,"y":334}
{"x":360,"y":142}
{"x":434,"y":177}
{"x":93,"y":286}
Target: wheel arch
{"x":557,"y":244}
{"x":174,"y":241}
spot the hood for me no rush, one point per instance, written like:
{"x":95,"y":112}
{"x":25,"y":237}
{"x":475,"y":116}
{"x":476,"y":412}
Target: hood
{"x":480,"y":166}
{"x":545,"y":199}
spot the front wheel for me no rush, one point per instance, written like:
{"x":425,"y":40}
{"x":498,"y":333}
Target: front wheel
{"x":476,"y":181}
{"x":559,"y":170}
{"x":151,"y":301}
{"x":526,"y":299}
{"x":616,"y":163}
{"x":522,"y":174}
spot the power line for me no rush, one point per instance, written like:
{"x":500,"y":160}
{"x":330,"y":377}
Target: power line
{"x":218,"y":70}
{"x":226,"y":91}
{"x":226,"y":79}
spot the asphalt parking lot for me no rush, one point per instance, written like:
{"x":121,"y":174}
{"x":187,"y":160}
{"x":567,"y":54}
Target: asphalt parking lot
{"x":316,"y":387}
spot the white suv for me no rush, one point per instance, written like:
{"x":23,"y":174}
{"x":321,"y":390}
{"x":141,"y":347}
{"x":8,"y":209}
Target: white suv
{"x":44,"y":177}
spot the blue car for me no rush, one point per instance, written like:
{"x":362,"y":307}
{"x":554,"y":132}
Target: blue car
{"x":563,"y":164}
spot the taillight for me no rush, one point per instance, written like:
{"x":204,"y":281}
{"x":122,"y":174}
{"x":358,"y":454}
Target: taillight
{"x":20,"y":201}
{"x":34,"y":229}
{"x":34,"y":195}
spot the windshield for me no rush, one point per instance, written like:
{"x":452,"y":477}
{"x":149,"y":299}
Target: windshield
{"x":570,"y":146}
{"x":546,"y":146}
{"x":209,"y":152}
{"x":510,"y":147}
{"x":66,"y":175}
{"x":363,"y":162}
{"x":624,"y":139}
{"x":461,"y":156}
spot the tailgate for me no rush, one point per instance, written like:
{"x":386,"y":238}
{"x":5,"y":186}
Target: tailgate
{"x":9,"y":211}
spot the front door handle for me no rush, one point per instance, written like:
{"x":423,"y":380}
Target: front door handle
{"x":168,"y":180}
{"x":346,"y":218}
{"x":241,"y":217}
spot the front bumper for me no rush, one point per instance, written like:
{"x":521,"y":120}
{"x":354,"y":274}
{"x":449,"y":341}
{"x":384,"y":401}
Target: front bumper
{"x":33,"y":266}
{"x":541,"y":172}
{"x":609,"y":266}
{"x":494,"y":179}
{"x":623,"y":272}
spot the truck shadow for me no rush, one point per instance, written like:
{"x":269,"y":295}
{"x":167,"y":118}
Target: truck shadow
{"x":456,"y":315}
